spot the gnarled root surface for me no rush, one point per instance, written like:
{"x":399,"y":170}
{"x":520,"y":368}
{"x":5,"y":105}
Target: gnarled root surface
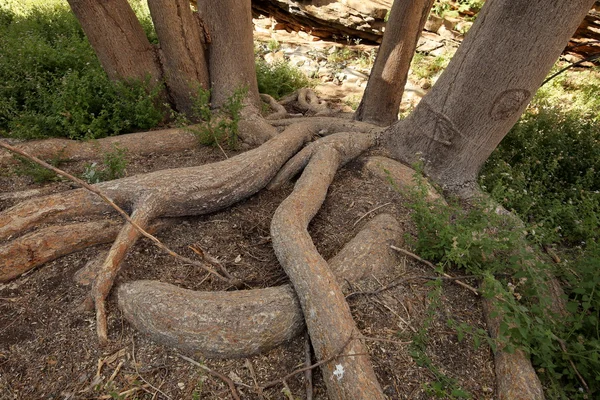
{"x":167,"y":193}
{"x":326,"y":312}
{"x":245,"y":323}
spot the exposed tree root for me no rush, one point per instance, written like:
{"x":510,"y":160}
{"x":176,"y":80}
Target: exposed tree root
{"x":163,"y":141}
{"x":279,"y":111}
{"x":515,"y":377}
{"x":244,"y":323}
{"x":179,"y":192}
{"x":326,"y":312}
{"x":39,"y":247}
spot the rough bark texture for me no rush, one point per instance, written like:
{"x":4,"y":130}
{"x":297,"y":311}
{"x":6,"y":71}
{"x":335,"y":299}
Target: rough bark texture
{"x":181,"y":50}
{"x":164,"y":141}
{"x":245,"y":323}
{"x":486,"y":87}
{"x":117,"y":38}
{"x":326,"y":312}
{"x":231,"y":49}
{"x":515,"y":377}
{"x":41,"y":246}
{"x":383,"y":94}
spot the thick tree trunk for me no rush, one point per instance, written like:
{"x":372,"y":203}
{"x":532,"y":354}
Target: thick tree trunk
{"x":383,"y":94}
{"x":231,"y":49}
{"x":118,"y":39}
{"x":486,"y":87}
{"x":181,"y":50}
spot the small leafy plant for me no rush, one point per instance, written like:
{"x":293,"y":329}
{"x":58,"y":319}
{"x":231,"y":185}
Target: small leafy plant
{"x":113,"y":167}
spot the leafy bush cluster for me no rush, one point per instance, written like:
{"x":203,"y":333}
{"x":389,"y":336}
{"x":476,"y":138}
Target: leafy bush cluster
{"x":494,"y":248}
{"x":546,"y":169}
{"x":53,"y":85}
{"x":279,"y":79}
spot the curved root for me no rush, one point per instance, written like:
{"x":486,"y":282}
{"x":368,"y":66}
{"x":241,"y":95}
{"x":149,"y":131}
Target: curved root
{"x":244,"y":323}
{"x":279,"y":111}
{"x":326,"y":312}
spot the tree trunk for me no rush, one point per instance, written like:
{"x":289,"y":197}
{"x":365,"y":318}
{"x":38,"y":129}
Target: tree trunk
{"x":181,"y":50}
{"x":486,"y":87}
{"x":231,"y":49}
{"x":383,"y":94}
{"x":117,"y":38}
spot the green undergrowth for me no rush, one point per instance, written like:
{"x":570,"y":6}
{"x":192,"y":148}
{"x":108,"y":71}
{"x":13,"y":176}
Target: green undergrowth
{"x":217,"y":127}
{"x":53,"y":85}
{"x":279,"y":79}
{"x":546,"y":168}
{"x":479,"y":242}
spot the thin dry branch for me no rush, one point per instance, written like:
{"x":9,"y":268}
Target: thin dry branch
{"x":219,"y":375}
{"x":416,"y":257}
{"x":87,"y":186}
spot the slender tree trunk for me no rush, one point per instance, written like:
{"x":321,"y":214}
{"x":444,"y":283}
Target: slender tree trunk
{"x":231,"y":49}
{"x":181,"y":50}
{"x":383,"y":94}
{"x":117,"y":38}
{"x":486,"y":87}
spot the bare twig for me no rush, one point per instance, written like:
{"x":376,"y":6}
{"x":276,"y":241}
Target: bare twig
{"x":416,"y":257}
{"x":253,"y":374}
{"x":583,"y":382}
{"x":138,"y":372}
{"x":126,"y":216}
{"x":370,"y":212}
{"x":287,"y":391}
{"x":313,"y":366}
{"x":219,"y":375}
{"x":308,"y":372}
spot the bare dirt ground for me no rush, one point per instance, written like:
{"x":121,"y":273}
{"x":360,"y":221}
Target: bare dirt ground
{"x":48,"y":345}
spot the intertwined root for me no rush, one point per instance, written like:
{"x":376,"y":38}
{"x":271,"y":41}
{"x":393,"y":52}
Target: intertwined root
{"x":170,"y":193}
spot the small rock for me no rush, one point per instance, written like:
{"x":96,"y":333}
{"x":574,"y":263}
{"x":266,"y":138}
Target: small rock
{"x":181,"y":385}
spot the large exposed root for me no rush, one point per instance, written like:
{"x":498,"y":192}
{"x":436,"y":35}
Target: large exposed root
{"x":348,"y":144}
{"x":105,"y":278}
{"x":39,"y":247}
{"x":170,"y":193}
{"x":515,"y":377}
{"x":32,"y":213}
{"x":244,"y":323}
{"x":326,"y":312}
{"x":163,"y":141}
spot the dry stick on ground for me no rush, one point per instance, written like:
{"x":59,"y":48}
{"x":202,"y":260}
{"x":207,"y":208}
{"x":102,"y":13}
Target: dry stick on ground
{"x":416,"y":257}
{"x":308,"y":372}
{"x":126,"y":216}
{"x":219,"y":375}
{"x":370,"y":212}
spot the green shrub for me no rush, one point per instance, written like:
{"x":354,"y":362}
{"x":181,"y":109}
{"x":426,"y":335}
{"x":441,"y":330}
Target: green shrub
{"x":279,"y":79}
{"x":546,"y":169}
{"x":112,"y":167}
{"x":492,"y":248}
{"x":53,"y":85}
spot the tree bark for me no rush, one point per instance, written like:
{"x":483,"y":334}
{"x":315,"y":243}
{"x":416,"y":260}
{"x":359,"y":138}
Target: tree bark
{"x":327,"y":315}
{"x":118,"y":39}
{"x":486,"y":87}
{"x":181,"y":50}
{"x":249,"y":322}
{"x":383,"y":94}
{"x":231,"y":49}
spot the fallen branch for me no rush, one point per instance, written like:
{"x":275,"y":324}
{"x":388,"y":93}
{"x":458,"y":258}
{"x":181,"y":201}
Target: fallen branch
{"x":126,"y":216}
{"x":416,"y":257}
{"x":219,"y":375}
